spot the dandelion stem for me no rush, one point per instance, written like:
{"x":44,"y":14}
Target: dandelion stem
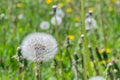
{"x":38,"y":73}
{"x":86,"y":55}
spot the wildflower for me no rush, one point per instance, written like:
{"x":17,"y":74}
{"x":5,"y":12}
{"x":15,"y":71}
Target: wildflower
{"x":60,"y":5}
{"x":69,"y":10}
{"x":48,"y":1}
{"x":90,"y":22}
{"x":68,"y":1}
{"x":110,"y":9}
{"x":39,"y":47}
{"x":20,"y":16}
{"x":77,"y":19}
{"x":44,"y":25}
{"x":114,"y":1}
{"x":102,"y":62}
{"x":3,"y":16}
{"x":97,"y":78}
{"x":71,"y":37}
{"x":19,"y":5}
{"x":60,"y":13}
{"x":55,"y":20}
{"x":91,"y":9}
{"x":107,"y":50}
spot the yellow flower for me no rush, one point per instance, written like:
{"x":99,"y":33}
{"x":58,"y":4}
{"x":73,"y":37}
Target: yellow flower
{"x":115,"y":1}
{"x":60,"y":5}
{"x":48,"y":1}
{"x":69,"y":10}
{"x":71,"y":37}
{"x":102,"y":62}
{"x":107,"y":50}
{"x":77,"y":19}
{"x":101,"y":51}
{"x":91,"y":9}
{"x":110,"y":9}
{"x":67,"y":1}
{"x":19,"y":5}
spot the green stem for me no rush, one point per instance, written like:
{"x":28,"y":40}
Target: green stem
{"x":86,"y":55}
{"x":38,"y":73}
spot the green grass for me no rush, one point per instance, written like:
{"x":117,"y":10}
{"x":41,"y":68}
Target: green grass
{"x":107,"y":35}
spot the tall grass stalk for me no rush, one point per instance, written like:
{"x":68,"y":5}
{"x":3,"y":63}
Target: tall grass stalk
{"x":86,"y":55}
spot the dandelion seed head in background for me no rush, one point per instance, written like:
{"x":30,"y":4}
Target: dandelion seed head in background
{"x":90,"y":22}
{"x":39,"y":47}
{"x":60,"y":13}
{"x":44,"y":25}
{"x":3,"y":16}
{"x":97,"y":78}
{"x":20,"y":16}
{"x":55,"y":20}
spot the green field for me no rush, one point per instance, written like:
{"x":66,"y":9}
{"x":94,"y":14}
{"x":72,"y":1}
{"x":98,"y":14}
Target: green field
{"x":82,"y":53}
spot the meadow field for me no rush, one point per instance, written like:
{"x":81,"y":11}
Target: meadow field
{"x":59,"y":39}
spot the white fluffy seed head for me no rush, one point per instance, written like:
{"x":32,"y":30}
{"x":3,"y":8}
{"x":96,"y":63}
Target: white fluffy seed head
{"x":44,"y":25}
{"x":60,"y":13}
{"x":55,"y":20}
{"x":39,"y":47}
{"x":97,"y":78}
{"x":90,"y":23}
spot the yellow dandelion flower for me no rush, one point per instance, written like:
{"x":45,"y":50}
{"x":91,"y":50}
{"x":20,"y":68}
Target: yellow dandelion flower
{"x":91,"y":9}
{"x":71,"y":37}
{"x":77,"y":19}
{"x":107,"y":50}
{"x":101,"y":51}
{"x":110,"y":9}
{"x":19,"y":5}
{"x":69,"y":10}
{"x":115,"y":1}
{"x":48,"y":1}
{"x":102,"y":62}
{"x":108,"y":60}
{"x":60,"y":5}
{"x":68,"y":1}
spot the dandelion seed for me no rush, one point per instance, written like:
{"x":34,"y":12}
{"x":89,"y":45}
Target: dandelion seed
{"x":60,"y":13}
{"x":39,"y":47}
{"x":20,"y":16}
{"x":97,"y":78}
{"x":44,"y":25}
{"x":3,"y":16}
{"x":90,"y":22}
{"x":55,"y":20}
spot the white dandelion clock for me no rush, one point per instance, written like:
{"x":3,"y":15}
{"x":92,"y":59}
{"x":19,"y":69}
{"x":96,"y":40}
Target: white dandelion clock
{"x":55,"y":20}
{"x":97,"y":78}
{"x":60,"y":13}
{"x":39,"y":47}
{"x":44,"y":25}
{"x":20,"y":16}
{"x":90,"y":23}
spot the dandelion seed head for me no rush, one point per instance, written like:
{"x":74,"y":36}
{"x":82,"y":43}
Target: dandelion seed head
{"x":60,"y":13}
{"x":90,"y":23}
{"x":39,"y":47}
{"x":55,"y":20}
{"x":97,"y":78}
{"x":44,"y":25}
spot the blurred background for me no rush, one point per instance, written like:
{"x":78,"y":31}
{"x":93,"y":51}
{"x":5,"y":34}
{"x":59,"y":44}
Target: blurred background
{"x":19,"y":18}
